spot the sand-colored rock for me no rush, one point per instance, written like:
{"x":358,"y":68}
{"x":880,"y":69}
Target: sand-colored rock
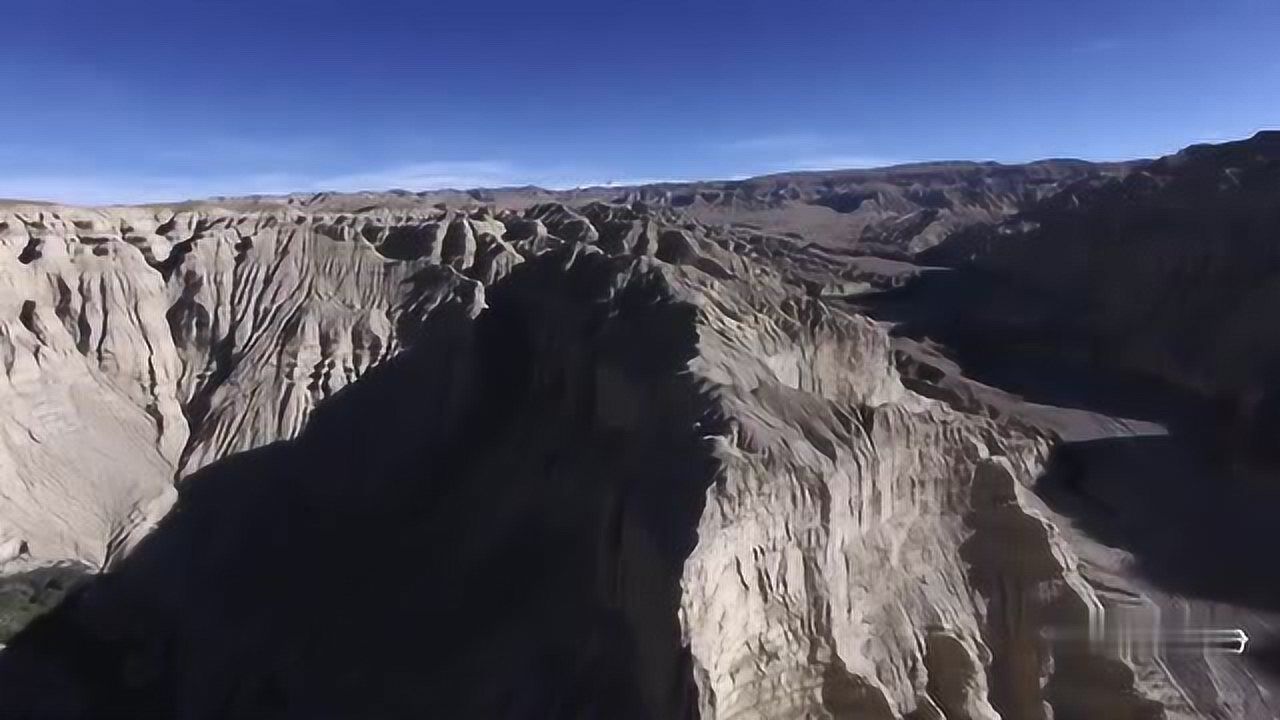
{"x":770,"y":523}
{"x":551,"y":457}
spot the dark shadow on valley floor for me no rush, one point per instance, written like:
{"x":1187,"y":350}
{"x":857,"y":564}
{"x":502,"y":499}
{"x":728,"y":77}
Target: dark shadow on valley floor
{"x":466,"y":532}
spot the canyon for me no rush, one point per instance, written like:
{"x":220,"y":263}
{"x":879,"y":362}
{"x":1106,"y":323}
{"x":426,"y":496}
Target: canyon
{"x":858,"y":444}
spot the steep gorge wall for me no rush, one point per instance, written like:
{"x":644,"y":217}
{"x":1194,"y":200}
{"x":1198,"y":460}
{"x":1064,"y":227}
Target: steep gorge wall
{"x":92,"y":429}
{"x":866,"y":552}
{"x":141,"y":345}
{"x":1172,"y":271}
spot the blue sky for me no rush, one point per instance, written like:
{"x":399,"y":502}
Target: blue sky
{"x":129,"y":101}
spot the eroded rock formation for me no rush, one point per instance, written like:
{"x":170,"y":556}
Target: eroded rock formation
{"x":590,"y":459}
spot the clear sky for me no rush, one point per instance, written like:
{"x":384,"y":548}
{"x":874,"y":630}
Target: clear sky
{"x":123,"y":100}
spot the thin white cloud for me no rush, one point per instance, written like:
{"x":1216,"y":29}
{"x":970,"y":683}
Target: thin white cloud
{"x":774,"y":143}
{"x":427,"y":175}
{"x":844,"y":162}
{"x":132,"y":189}
{"x":626,"y":181}
{"x":784,"y":151}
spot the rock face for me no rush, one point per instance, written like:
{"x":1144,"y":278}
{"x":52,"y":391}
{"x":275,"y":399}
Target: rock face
{"x":1171,"y":271}
{"x":139,"y":346}
{"x":545,"y":458}
{"x":92,"y":427}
